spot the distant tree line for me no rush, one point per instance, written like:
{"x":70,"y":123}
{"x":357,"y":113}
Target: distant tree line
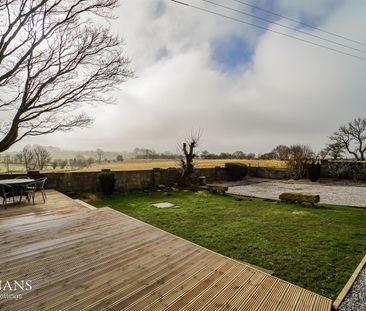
{"x":349,"y":139}
{"x":225,"y":155}
{"x":34,"y":157}
{"x":80,"y":161}
{"x":39,"y":158}
{"x":150,"y":154}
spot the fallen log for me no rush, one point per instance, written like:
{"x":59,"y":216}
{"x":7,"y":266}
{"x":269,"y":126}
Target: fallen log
{"x":296,"y":197}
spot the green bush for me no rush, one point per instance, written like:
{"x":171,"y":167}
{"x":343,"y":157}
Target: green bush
{"x":236,"y":171}
{"x":345,"y":170}
{"x":314,"y":170}
{"x":106,"y":181}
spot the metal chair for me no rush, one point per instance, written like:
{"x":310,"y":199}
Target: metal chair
{"x":31,"y":188}
{"x":40,"y":187}
{"x":7,"y":192}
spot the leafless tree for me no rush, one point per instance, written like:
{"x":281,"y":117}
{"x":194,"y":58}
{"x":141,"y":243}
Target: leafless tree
{"x":28,"y":158}
{"x":63,"y":164}
{"x":19,"y":158}
{"x":281,"y":152}
{"x":335,"y":150}
{"x":323,"y":154}
{"x":100,"y":153}
{"x":352,"y":137}
{"x":54,"y":57}
{"x":238,"y":155}
{"x":42,"y":156}
{"x":188,"y":147}
{"x":90,"y":161}
{"x":7,"y":161}
{"x":54,"y":164}
{"x":298,"y":158}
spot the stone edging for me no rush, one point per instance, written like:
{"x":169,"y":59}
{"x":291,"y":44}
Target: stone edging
{"x":349,"y":284}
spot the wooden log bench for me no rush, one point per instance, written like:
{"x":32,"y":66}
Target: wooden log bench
{"x":217,"y":188}
{"x":296,"y":197}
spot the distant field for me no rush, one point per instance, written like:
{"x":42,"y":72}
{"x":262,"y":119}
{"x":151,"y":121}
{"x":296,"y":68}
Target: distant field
{"x":150,"y":164}
{"x":12,"y":168}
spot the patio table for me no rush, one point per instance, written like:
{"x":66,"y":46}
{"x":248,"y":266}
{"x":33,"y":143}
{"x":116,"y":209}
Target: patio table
{"x":16,"y":183}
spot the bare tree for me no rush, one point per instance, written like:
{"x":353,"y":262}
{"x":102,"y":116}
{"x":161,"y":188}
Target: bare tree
{"x":54,"y":164}
{"x":267,"y":156}
{"x":19,"y":158}
{"x":352,"y":137}
{"x":188,"y":155}
{"x":28,"y":158}
{"x":298,"y":158}
{"x":7,"y":161}
{"x":55,"y":57}
{"x":322,"y":154}
{"x":281,"y":152}
{"x":42,"y":156}
{"x":238,"y":155}
{"x":63,"y":164}
{"x":335,"y":150}
{"x":90,"y":161}
{"x":100,"y":153}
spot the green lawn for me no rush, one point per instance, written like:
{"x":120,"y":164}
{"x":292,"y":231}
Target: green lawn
{"x":317,"y":248}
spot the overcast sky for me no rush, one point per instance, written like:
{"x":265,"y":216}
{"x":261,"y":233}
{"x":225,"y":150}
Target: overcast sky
{"x":247,"y":89}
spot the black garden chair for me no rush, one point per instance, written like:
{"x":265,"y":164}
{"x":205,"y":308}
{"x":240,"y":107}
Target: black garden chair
{"x":7,"y":193}
{"x":30,"y":189}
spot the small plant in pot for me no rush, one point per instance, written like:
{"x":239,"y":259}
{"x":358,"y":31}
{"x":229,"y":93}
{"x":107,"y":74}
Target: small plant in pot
{"x":314,"y":170}
{"x":202,"y":180}
{"x":106,"y":181}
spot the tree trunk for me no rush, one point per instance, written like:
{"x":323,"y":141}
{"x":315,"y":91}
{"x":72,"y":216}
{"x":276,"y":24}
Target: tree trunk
{"x":10,"y":137}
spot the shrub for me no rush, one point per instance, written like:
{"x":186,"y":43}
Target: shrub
{"x":314,"y":170}
{"x":236,"y":171}
{"x":106,"y":182}
{"x":298,"y":157}
{"x":345,"y":170}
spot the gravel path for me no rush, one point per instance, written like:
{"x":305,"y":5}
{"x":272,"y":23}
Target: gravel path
{"x":356,"y":298}
{"x":338,"y":195}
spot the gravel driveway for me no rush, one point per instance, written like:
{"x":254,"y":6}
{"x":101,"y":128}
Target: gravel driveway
{"x":338,"y":195}
{"x":356,"y":298}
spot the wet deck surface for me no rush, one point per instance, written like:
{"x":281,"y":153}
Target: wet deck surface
{"x":81,"y":259}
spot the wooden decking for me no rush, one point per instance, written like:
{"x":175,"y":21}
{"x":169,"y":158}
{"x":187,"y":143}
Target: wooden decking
{"x":81,"y":259}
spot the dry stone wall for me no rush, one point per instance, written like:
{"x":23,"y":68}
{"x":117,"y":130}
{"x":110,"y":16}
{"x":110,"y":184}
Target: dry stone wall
{"x":133,"y":180}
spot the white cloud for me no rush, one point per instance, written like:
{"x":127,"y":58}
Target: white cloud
{"x":291,"y":93}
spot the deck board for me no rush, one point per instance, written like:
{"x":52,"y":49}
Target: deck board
{"x":83,"y":259}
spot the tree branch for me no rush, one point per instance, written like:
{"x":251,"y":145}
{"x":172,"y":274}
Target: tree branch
{"x":51,"y":63}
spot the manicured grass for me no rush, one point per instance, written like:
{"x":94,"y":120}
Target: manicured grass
{"x":317,"y":248}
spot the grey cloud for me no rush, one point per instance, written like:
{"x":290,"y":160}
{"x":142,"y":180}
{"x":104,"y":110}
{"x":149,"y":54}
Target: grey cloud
{"x":292,"y":92}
